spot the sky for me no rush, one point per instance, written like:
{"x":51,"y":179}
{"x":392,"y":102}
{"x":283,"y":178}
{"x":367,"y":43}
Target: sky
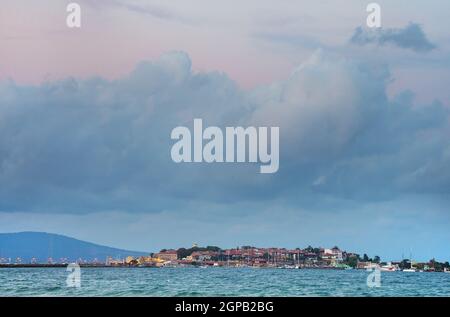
{"x":86,"y":116}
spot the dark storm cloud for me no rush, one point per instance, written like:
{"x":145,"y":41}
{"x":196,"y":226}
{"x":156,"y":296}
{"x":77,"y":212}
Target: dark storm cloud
{"x":89,"y":145}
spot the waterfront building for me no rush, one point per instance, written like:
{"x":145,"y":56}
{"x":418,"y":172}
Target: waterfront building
{"x":167,"y":255}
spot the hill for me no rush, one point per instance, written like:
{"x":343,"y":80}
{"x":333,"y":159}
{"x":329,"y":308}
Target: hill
{"x":41,"y":246}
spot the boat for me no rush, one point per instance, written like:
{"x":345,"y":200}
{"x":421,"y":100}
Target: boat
{"x":446,"y":270}
{"x":388,"y":268}
{"x":409,"y":270}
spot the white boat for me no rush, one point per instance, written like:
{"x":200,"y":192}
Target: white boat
{"x":446,"y":270}
{"x":409,"y":270}
{"x":289,"y":267}
{"x":388,"y":268}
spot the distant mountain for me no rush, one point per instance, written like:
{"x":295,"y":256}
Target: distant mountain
{"x":41,"y":245}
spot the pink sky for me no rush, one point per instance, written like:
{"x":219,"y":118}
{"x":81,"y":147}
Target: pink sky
{"x":36,"y":44}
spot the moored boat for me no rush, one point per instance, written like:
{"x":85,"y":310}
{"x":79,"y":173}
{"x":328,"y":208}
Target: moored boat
{"x":409,"y":270}
{"x":389,"y":267}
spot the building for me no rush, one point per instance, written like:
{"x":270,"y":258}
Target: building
{"x":167,"y":255}
{"x":129,"y":259}
{"x":114,"y":262}
{"x":337,"y":254}
{"x":331,"y":256}
{"x":202,"y":255}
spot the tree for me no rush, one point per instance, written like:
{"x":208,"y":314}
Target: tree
{"x":352,"y":261}
{"x":213,"y":248}
{"x":405,"y":264}
{"x":182,"y":253}
{"x":365,"y":258}
{"x":376,"y":259}
{"x":436,"y":265}
{"x":420,"y":266}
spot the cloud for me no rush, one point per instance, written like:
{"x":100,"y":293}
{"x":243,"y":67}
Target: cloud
{"x":145,"y":9}
{"x":410,"y":37}
{"x":290,"y":39}
{"x":81,"y":146}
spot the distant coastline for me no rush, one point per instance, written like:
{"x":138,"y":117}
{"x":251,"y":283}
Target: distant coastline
{"x":44,"y":250}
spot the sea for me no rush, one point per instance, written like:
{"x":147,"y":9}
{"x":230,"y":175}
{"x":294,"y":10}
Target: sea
{"x":218,"y":281}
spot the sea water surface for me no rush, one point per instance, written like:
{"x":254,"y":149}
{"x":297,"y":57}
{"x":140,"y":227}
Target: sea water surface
{"x":218,"y":282}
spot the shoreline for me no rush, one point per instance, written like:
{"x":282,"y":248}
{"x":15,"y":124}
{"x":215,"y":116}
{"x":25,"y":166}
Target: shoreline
{"x":104,"y":266}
